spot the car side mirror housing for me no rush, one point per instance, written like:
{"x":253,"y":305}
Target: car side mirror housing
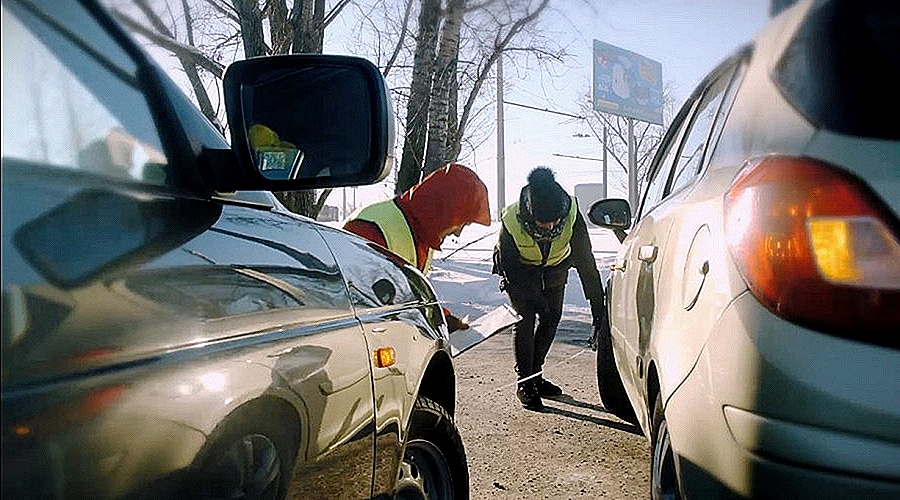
{"x":308,"y":121}
{"x":612,"y":213}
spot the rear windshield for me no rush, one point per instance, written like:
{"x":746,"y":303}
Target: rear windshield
{"x":840,"y":69}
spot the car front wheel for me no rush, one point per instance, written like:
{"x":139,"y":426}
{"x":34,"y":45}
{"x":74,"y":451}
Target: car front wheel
{"x":434,"y":463}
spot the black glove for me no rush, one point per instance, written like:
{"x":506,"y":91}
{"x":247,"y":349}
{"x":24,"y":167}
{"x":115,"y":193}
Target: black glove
{"x":598,"y":311}
{"x":454,"y":323}
{"x":600,"y":324}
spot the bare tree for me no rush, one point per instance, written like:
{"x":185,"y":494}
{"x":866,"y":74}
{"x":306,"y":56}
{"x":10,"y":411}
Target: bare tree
{"x":509,"y":25}
{"x":438,"y":84}
{"x":505,"y":19}
{"x":410,"y":171}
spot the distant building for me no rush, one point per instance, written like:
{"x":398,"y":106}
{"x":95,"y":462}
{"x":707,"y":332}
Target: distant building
{"x":328,"y":214}
{"x":587,"y":195}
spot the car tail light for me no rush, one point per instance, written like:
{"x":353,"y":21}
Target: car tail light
{"x":816,"y":247}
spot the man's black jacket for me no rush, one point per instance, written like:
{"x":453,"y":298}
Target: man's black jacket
{"x":528,"y":281}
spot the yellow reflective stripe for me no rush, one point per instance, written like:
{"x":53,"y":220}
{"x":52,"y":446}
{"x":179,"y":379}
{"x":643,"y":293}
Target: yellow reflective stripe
{"x":390,"y":220}
{"x":529,"y":252}
{"x":428,"y":257}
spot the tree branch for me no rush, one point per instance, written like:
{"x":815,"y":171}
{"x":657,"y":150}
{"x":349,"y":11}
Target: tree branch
{"x":225,"y":10}
{"x":333,"y":13}
{"x":499,"y":46}
{"x":400,"y":40}
{"x":174,"y":46}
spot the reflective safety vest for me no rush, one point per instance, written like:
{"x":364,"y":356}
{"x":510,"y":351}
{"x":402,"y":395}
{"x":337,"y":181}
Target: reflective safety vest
{"x":529,"y":251}
{"x":397,"y":233}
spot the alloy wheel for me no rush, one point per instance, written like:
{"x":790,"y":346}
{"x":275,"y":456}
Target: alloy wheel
{"x":424,"y":473}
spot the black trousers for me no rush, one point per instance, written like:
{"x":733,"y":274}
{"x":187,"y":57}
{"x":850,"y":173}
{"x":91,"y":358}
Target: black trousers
{"x":531,"y":344}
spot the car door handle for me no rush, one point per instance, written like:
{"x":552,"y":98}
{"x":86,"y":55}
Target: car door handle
{"x":647,"y":253}
{"x":378,"y":329}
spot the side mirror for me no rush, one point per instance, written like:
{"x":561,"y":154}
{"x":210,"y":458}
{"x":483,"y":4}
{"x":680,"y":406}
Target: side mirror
{"x":612,"y":213}
{"x":309,"y":121}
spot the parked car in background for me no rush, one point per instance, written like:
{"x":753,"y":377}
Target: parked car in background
{"x":168,"y":329}
{"x":755,"y":302}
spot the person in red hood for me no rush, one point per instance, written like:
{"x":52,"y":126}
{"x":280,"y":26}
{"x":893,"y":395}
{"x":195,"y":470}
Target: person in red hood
{"x":415,"y":224}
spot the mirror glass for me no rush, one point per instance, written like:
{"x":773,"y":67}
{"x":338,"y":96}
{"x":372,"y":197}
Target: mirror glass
{"x":309,"y":121}
{"x":612,"y":213}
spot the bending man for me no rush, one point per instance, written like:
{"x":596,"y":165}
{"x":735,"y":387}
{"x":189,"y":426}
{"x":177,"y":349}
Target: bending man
{"x":543,"y":235}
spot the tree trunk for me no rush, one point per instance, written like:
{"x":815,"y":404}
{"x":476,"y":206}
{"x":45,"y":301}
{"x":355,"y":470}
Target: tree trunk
{"x":410,"y":171}
{"x":309,"y":26}
{"x":441,"y":90}
{"x":250,"y":17}
{"x":454,"y":141}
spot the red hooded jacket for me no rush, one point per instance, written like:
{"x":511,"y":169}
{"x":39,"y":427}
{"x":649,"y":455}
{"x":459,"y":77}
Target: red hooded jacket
{"x":450,"y":196}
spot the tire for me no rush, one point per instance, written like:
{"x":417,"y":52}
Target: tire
{"x":250,"y":461}
{"x":434,"y":461}
{"x":663,"y":475}
{"x":609,"y":383}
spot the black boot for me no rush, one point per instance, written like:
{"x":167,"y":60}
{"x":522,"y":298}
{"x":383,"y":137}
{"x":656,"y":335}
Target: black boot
{"x":547,"y":389}
{"x":528,"y":395}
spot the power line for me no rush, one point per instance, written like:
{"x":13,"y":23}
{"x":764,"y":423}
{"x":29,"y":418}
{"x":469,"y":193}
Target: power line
{"x":545,"y":110}
{"x":577,"y":157}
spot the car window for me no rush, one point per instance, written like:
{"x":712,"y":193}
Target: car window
{"x":373,"y":279}
{"x":688,"y":163}
{"x":657,"y":184}
{"x":727,"y":101}
{"x":66,"y":105}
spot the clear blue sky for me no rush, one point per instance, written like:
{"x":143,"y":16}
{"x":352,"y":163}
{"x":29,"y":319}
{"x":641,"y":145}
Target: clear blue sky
{"x":688,"y":37}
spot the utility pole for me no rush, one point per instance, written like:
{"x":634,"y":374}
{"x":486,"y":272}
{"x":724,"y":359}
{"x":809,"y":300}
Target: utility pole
{"x":632,"y":166}
{"x":501,"y":157}
{"x":605,"y":189}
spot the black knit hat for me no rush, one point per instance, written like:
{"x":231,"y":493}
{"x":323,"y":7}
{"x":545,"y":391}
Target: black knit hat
{"x":543,"y":199}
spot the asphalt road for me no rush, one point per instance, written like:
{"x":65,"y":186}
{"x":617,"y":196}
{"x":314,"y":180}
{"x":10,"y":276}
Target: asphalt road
{"x":574,"y":449}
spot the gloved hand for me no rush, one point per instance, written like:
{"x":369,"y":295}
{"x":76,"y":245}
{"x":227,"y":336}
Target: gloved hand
{"x":600,"y":324}
{"x":598,"y":311}
{"x":454,"y":323}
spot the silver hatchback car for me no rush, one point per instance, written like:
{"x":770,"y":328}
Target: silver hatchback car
{"x":755,"y":302}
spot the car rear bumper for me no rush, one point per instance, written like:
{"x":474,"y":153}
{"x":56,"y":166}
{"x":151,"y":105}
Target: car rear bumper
{"x":772,"y":410}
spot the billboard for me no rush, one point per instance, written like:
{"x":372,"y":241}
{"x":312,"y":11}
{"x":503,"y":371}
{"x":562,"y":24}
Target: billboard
{"x":627,"y":84}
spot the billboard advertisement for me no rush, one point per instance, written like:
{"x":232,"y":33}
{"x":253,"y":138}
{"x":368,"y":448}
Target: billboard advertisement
{"x":627,"y":84}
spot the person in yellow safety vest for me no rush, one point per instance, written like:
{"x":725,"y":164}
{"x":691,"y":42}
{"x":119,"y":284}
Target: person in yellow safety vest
{"x":414,"y":224}
{"x":542,"y":236}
